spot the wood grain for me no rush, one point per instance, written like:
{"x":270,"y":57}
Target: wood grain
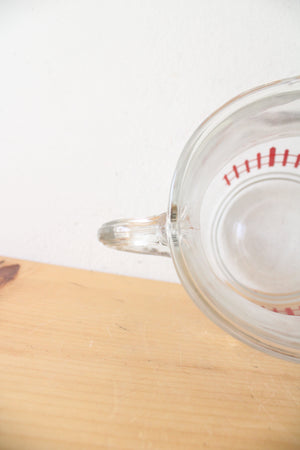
{"x":97,"y":361}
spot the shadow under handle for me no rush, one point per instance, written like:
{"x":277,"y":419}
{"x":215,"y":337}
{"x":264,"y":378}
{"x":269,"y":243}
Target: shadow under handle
{"x":147,"y":236}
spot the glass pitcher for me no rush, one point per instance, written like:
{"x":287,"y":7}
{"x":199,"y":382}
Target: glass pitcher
{"x":232,"y":225}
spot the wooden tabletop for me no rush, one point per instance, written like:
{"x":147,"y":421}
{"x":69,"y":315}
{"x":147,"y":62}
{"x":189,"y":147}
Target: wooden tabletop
{"x":97,"y":361}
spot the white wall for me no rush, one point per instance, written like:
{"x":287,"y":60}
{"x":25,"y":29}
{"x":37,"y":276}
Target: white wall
{"x":97,"y":99}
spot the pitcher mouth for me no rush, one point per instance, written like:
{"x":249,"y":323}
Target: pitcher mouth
{"x":233,"y":304}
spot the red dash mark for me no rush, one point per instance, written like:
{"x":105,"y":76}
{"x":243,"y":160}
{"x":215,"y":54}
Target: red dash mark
{"x":236,"y":171}
{"x":272,"y":156}
{"x":285,"y":158}
{"x":297,"y":161}
{"x":247,"y":165}
{"x":289,"y":311}
{"x":275,"y":310}
{"x":258,"y":160}
{"x":226,"y":179}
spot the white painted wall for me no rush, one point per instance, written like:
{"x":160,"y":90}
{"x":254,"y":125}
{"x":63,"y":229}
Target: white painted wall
{"x":97,"y":99}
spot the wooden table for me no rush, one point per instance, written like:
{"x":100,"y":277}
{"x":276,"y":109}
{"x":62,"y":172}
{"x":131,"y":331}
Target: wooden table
{"x":97,"y":361}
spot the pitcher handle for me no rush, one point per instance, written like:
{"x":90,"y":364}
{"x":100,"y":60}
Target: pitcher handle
{"x":147,"y":236}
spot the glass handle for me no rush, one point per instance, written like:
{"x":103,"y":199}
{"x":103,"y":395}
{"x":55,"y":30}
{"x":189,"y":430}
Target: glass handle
{"x":147,"y":236}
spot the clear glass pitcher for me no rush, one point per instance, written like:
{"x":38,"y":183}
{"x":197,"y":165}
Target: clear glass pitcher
{"x":232,"y":226}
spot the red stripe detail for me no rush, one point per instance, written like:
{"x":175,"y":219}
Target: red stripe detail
{"x":236,"y":171}
{"x":247,"y":165}
{"x":285,"y":158}
{"x":289,"y":311}
{"x":226,"y":179}
{"x":275,"y":309}
{"x":258,"y":160}
{"x":272,"y":156}
{"x":297,"y":161}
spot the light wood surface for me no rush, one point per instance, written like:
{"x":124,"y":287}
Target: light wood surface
{"x":97,"y":361}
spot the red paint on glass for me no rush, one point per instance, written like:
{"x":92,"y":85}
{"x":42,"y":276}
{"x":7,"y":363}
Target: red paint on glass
{"x":226,"y":179}
{"x":285,"y":158}
{"x":272,"y":156}
{"x":236,"y":171}
{"x":258,"y":160}
{"x":268,"y":159}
